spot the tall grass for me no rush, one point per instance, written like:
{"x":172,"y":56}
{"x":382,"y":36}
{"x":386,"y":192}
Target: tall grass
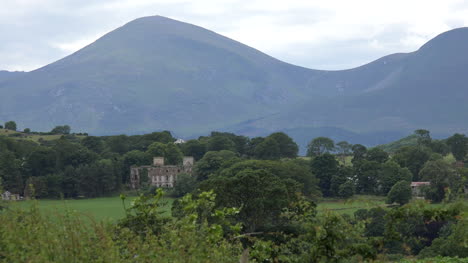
{"x":28,"y":235}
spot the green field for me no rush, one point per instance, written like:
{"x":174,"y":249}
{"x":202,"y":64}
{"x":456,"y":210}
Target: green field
{"x":31,"y":137}
{"x":349,"y":206}
{"x":104,"y":208}
{"x":111,"y":208}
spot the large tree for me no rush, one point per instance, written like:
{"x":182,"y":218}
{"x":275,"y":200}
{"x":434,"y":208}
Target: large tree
{"x":268,"y":149}
{"x":261,"y":196}
{"x":287,"y":147}
{"x":391,"y":173}
{"x":319,"y":146}
{"x":442,"y":177}
{"x":10,"y":125}
{"x":400,"y":193}
{"x":413,"y":158}
{"x":424,"y":137}
{"x":458,"y":144}
{"x":325,"y":167}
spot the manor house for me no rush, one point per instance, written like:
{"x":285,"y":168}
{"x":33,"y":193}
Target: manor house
{"x":158,"y":174}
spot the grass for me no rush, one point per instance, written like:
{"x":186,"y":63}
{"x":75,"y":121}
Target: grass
{"x":349,"y":206}
{"x":31,"y":137}
{"x":104,"y":208}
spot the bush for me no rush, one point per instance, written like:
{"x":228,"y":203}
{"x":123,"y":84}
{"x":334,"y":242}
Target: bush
{"x":346,"y":190}
{"x":400,"y":193}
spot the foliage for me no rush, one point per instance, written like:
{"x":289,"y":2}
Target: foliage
{"x":10,"y":125}
{"x":458,"y":144}
{"x":346,"y":190}
{"x":414,"y":226}
{"x":453,"y":242}
{"x":287,"y":147}
{"x":268,"y":149}
{"x":212,"y":162}
{"x":413,"y":158}
{"x":260,"y":195}
{"x":400,"y":193}
{"x":390,"y":174}
{"x":324,"y":167}
{"x":65,"y":129}
{"x":31,"y":236}
{"x":319,"y":146}
{"x":377,"y":155}
{"x":185,"y":184}
{"x":442,"y":177}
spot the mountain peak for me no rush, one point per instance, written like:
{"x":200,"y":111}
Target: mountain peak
{"x":453,"y":39}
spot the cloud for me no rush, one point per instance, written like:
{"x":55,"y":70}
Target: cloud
{"x":332,"y":34}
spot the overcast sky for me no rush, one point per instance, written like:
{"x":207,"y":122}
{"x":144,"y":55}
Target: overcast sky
{"x":325,"y":34}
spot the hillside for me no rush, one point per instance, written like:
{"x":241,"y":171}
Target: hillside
{"x":156,"y":73}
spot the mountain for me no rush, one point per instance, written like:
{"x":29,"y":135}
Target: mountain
{"x":401,"y":92}
{"x":156,"y":73}
{"x":5,"y":75}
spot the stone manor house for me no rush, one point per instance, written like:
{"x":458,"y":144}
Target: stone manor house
{"x":158,"y":174}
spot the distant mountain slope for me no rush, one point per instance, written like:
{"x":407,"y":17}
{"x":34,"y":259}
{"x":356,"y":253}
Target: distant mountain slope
{"x":424,"y":89}
{"x":5,"y":75}
{"x":156,"y":73}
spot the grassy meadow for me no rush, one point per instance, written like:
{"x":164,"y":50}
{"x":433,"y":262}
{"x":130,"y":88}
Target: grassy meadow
{"x":104,"y":208}
{"x":32,"y":137}
{"x":112,"y":208}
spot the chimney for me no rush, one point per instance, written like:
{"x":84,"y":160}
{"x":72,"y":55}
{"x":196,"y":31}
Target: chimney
{"x":158,"y":161}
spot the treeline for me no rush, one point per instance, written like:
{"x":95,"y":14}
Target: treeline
{"x":249,"y":199}
{"x":91,"y":166}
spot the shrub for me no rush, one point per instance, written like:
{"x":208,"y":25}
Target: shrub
{"x":400,"y":193}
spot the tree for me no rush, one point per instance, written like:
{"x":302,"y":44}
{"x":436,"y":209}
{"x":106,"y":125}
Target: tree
{"x":118,"y":144}
{"x":93,"y":143}
{"x":27,"y":130}
{"x":287,"y":147}
{"x":367,"y":174}
{"x":218,"y":143}
{"x":320,"y":145}
{"x":297,"y":170}
{"x":442,"y":177}
{"x":359,"y":152}
{"x":185,"y":184}
{"x":391,"y":173}
{"x":458,"y":144}
{"x":65,"y":129}
{"x":424,"y":137}
{"x":194,"y":148}
{"x":10,"y":125}
{"x":261,"y":196}
{"x":157,"y":149}
{"x":268,"y":149}
{"x":413,"y":158}
{"x":377,"y":154}
{"x":343,"y":175}
{"x":41,"y":162}
{"x":173,"y":154}
{"x":344,"y":149}
{"x":400,"y":193}
{"x":324,"y":167}
{"x":346,"y":190}
{"x":211,"y":163}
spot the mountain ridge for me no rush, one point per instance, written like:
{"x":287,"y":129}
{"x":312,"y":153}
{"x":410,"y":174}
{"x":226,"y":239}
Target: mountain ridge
{"x":155,"y":73}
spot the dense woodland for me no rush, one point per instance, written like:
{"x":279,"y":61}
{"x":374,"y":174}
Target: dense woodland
{"x":248,"y":196}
